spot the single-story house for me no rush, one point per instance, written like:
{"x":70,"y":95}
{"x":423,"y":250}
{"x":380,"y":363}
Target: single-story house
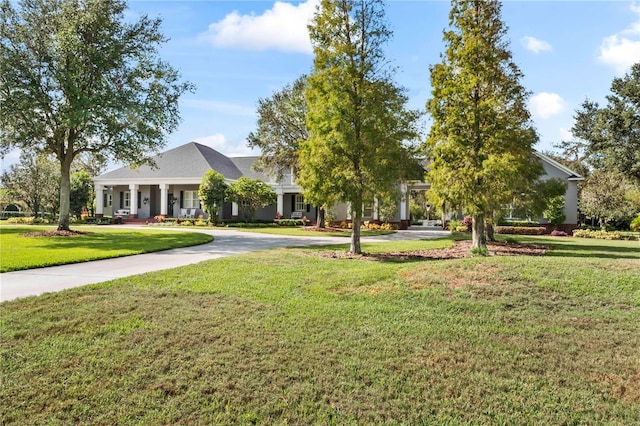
{"x":171,"y":188}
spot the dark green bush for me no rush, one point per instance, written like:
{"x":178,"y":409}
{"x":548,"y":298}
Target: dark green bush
{"x":521,"y":230}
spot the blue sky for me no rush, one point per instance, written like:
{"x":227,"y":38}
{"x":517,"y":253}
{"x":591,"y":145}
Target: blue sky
{"x":239,"y":51}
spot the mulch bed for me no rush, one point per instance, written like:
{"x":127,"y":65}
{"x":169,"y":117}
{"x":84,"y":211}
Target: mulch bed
{"x":460,"y":249}
{"x":56,"y":233}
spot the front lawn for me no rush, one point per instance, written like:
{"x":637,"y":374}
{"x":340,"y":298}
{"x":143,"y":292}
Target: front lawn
{"x":296,"y":336}
{"x":18,"y":252}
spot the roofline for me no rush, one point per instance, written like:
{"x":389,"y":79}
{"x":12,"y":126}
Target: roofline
{"x":572,"y":175}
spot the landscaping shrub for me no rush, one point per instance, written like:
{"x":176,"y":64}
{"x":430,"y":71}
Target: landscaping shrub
{"x":635,"y":224}
{"x":557,"y":233}
{"x":29,"y":220}
{"x":521,"y":230}
{"x":599,"y":234}
{"x":519,"y":223}
{"x":378,"y":226}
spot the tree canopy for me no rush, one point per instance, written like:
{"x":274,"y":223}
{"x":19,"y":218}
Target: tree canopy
{"x":76,"y":76}
{"x":250,"y":195}
{"x":357,"y":119}
{"x":481,"y":140}
{"x":281,"y":128}
{"x":608,"y":138}
{"x":35,"y":181}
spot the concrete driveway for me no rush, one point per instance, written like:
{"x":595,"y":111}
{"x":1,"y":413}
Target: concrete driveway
{"x":34,"y":282}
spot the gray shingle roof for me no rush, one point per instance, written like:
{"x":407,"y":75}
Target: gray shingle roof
{"x":191,"y":160}
{"x":245,"y":165}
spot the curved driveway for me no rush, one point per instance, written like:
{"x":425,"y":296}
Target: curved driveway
{"x":33,"y":282}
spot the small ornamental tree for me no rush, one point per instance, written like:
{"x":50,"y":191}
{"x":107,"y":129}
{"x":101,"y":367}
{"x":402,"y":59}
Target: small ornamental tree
{"x":554,"y":212}
{"x":211,"y":193}
{"x":250,"y":195}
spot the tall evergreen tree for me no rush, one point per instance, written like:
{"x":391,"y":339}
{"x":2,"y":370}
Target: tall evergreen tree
{"x":481,"y":141}
{"x":357,"y":118}
{"x":76,"y":77}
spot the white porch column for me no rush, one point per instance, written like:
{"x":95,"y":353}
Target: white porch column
{"x":164,"y":195}
{"x":234,"y":210}
{"x":280,"y":204}
{"x":376,"y":206}
{"x":133,"y":188}
{"x":99,"y":200}
{"x":404,"y":204}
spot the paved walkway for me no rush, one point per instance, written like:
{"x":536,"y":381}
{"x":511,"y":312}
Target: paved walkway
{"x":34,"y":282}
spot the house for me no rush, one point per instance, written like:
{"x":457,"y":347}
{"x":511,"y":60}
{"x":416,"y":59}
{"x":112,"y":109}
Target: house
{"x":171,"y":188}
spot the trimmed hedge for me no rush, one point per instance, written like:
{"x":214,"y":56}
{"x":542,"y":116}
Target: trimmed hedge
{"x":598,"y":235}
{"x":519,"y":223}
{"x":521,"y":230}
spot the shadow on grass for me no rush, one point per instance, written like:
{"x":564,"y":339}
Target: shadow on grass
{"x":578,"y":247}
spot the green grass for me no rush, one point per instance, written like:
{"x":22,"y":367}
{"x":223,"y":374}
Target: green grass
{"x":298,"y":232}
{"x":292,"y":336}
{"x":18,"y":252}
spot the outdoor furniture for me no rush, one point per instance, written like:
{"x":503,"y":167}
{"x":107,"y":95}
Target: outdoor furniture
{"x":296,"y":215}
{"x":122,"y":212}
{"x":192,"y":213}
{"x":183,"y":213}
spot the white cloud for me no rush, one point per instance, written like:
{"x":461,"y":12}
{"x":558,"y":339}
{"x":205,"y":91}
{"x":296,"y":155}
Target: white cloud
{"x":220,"y":143}
{"x":283,"y":27}
{"x":545,"y":105}
{"x":622,"y":50}
{"x":535,"y":45}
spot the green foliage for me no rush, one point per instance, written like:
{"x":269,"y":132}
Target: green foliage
{"x":211,"y":193}
{"x":357,"y":119}
{"x":635,"y":223}
{"x":607,"y":137}
{"x":481,"y":140}
{"x":81,"y":192}
{"x":554,"y":212}
{"x":281,"y":128}
{"x":607,"y":195}
{"x":250,"y":195}
{"x":601,"y":234}
{"x":79,"y":77}
{"x":35,"y":181}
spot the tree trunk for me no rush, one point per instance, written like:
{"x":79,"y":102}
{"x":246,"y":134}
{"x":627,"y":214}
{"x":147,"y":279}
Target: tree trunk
{"x":490,"y":231}
{"x":65,"y":190}
{"x":478,"y":239}
{"x":355,"y":236}
{"x":443,"y":216}
{"x":320,"y":221}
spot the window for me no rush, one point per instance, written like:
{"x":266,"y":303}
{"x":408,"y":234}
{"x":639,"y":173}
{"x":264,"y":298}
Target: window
{"x":299,"y":203}
{"x":367,"y":210}
{"x":107,"y":200}
{"x":127,"y":200}
{"x":190,"y":200}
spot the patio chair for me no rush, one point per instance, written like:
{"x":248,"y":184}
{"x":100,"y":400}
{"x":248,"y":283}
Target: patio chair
{"x":192,"y":213}
{"x":183,"y":213}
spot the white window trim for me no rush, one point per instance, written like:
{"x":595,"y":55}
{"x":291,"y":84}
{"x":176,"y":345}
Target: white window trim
{"x":299,"y":203}
{"x":127,"y":200}
{"x":191,"y":200}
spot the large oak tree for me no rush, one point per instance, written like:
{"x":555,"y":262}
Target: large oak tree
{"x":357,"y":119}
{"x":76,"y":77}
{"x":481,"y":140}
